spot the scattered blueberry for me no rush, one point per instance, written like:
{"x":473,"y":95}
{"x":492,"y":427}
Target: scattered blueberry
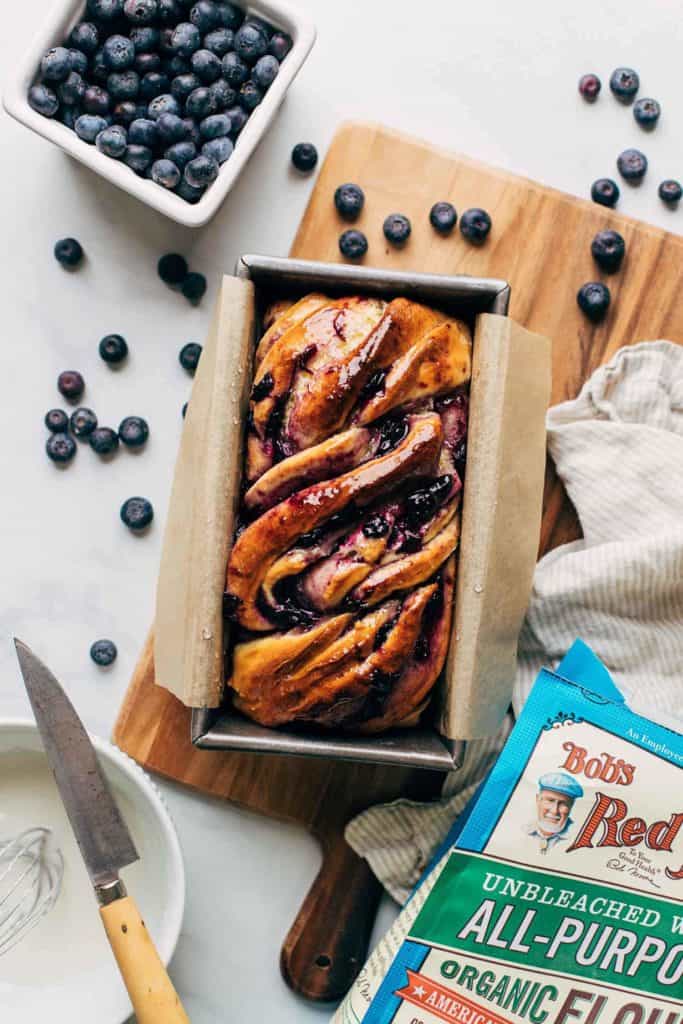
{"x":72,"y":89}
{"x":186,"y":39}
{"x":236,"y":72}
{"x":56,"y":421}
{"x":206,"y":66}
{"x":172,"y":268}
{"x":118,"y":52}
{"x":137,"y":513}
{"x":238,"y":118}
{"x":43,"y":100}
{"x":670,"y":191}
{"x":608,"y":249}
{"x":56,"y":64}
{"x":112,"y":141}
{"x":589,"y":87}
{"x":219,"y":41}
{"x":201,"y":171}
{"x":304,"y":156}
{"x":113,"y":349}
{"x":349,"y":199}
{"x":475,"y":225}
{"x":279,"y":45}
{"x":60,"y":447}
{"x":163,"y":104}
{"x":141,"y":12}
{"x":194,"y":286}
{"x":250,"y":95}
{"x":396,"y":229}
{"x":125,"y":85}
{"x":143,"y":132}
{"x":104,"y":440}
{"x":89,"y":126}
{"x":624,"y":83}
{"x":215,"y":125}
{"x":218,"y":149}
{"x":443,"y":217}
{"x":204,"y":15}
{"x":133,"y":431}
{"x":180,"y":153}
{"x":605,"y":192}
{"x":85,"y":37}
{"x":83,"y":421}
{"x":199,"y":104}
{"x":103,"y":652}
{"x":632,"y":164}
{"x":70,"y":383}
{"x":646,"y":112}
{"x":266,"y":70}
{"x":189,"y":356}
{"x":138,"y":158}
{"x":353,"y":244}
{"x":250,"y":43}
{"x":166,"y":173}
{"x":144,"y":38}
{"x":68,"y":252}
{"x":593,"y":299}
{"x":96,"y":100}
{"x":79,"y":62}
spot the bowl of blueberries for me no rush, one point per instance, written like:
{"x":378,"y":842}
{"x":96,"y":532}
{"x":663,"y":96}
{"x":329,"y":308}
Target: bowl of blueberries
{"x":165,"y":98}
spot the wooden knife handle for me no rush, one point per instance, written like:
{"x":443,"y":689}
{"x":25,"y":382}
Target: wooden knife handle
{"x":151,"y":991}
{"x":328,"y":942}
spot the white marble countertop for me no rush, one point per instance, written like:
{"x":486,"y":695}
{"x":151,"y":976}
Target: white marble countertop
{"x":494,"y":81}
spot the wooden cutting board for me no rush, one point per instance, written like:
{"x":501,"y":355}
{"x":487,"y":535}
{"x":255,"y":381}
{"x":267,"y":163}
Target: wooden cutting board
{"x":540,"y":243}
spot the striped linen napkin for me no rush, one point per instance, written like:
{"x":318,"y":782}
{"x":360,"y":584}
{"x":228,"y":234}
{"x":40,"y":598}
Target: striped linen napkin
{"x":618,"y":449}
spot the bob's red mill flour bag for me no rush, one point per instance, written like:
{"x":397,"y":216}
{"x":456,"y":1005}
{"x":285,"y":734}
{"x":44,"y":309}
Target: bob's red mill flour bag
{"x":562,"y":900}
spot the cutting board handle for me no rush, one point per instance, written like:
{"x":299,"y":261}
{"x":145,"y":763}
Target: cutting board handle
{"x":328,"y":942}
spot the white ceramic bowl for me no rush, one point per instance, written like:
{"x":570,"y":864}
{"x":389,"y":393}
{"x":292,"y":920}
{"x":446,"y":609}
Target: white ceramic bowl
{"x":65,"y":14}
{"x":63,"y":970}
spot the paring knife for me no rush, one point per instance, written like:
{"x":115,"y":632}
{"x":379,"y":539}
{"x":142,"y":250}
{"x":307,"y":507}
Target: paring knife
{"x":104,"y":842}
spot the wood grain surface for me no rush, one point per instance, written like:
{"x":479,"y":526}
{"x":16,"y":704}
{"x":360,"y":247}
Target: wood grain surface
{"x":540,"y":243}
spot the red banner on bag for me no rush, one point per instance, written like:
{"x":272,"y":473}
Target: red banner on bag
{"x":444,"y":1002}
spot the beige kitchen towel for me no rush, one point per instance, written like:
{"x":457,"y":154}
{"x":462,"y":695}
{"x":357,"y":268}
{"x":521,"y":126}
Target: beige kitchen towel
{"x":618,"y":449}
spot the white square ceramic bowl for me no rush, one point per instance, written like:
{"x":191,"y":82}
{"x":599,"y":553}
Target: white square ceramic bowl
{"x":58,"y":25}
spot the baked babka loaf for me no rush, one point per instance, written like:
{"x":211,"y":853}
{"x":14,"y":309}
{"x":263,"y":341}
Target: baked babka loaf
{"x":340,"y":580}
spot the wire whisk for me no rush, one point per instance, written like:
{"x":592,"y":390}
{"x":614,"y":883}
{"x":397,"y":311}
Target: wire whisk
{"x":31,"y":873}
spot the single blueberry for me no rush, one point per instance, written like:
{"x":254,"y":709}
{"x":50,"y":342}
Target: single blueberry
{"x":153,"y":86}
{"x":218,"y":149}
{"x":222,"y":94}
{"x":79,"y":62}
{"x":605,"y":192}
{"x":443,"y":217}
{"x":118,"y":52}
{"x":238,"y":118}
{"x":219,"y":41}
{"x":138,"y":158}
{"x":112,"y":141}
{"x":593,"y":299}
{"x":56,"y":64}
{"x":215,"y":125}
{"x":123,"y":85}
{"x":166,"y":173}
{"x":353,"y":244}
{"x":189,"y":356}
{"x":70,"y":384}
{"x":194,"y":286}
{"x":125,"y":112}
{"x":60,"y":447}
{"x":163,"y":104}
{"x":85,"y":37}
{"x":608,"y":249}
{"x":304,"y":156}
{"x":141,"y":12}
{"x":260,"y":24}
{"x":43,"y":100}
{"x":183,"y":85}
{"x":113,"y":349}
{"x":235,"y":70}
{"x":146,"y":62}
{"x":96,"y":100}
{"x":192,"y":131}
{"x":68,"y":252}
{"x":186,"y":39}
{"x":68,"y":115}
{"x":646,"y":112}
{"x":103,"y":440}
{"x":265,"y":71}
{"x":199,"y":104}
{"x":396,"y":228}
{"x":175,"y":65}
{"x":103,"y":652}
{"x":137,"y":513}
{"x":229,"y":15}
{"x":56,"y":421}
{"x":181,"y":153}
{"x":133,"y":431}
{"x":279,"y":46}
{"x":206,"y":65}
{"x":82,"y":422}
{"x":204,"y":14}
{"x":624,"y":83}
{"x":250,"y":95}
{"x":104,"y":10}
{"x":475,"y":225}
{"x":89,"y":126}
{"x":145,"y":38}
{"x":170,"y":128}
{"x":201,"y":171}
{"x":143,"y":132}
{"x":99,"y":72}
{"x":250,"y":43}
{"x":632,"y":164}
{"x":670,"y":191}
{"x":188,"y":193}
{"x":589,"y":87}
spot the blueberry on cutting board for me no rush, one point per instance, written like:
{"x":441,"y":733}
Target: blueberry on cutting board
{"x":594,"y":299}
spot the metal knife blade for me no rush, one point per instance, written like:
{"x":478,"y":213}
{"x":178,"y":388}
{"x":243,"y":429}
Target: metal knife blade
{"x":101,"y":833}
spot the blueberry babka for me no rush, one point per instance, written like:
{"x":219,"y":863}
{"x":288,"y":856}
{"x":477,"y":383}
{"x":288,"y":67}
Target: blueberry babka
{"x":340,"y":580}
